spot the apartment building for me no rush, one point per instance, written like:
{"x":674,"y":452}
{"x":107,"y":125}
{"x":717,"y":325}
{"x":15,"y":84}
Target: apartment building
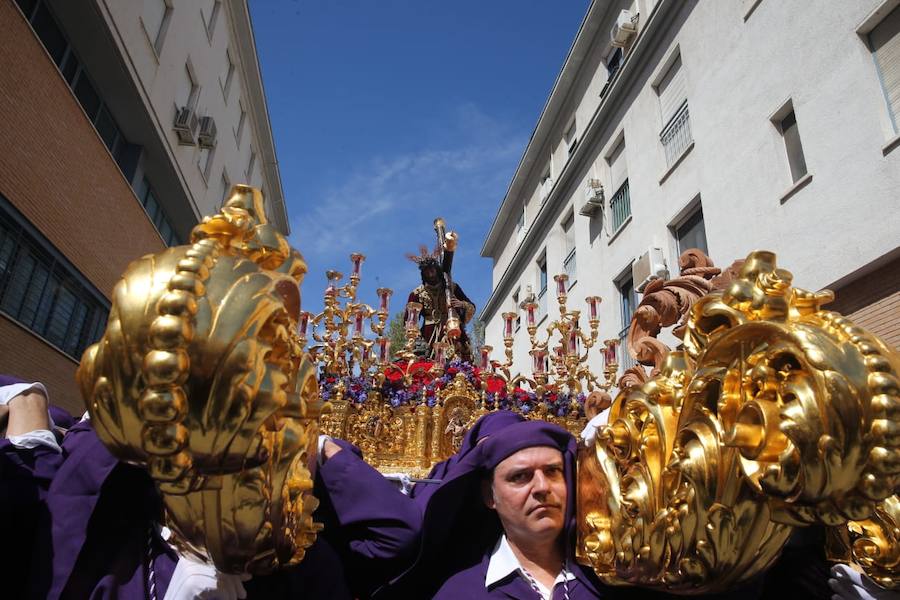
{"x":724,"y":126}
{"x":124,"y":124}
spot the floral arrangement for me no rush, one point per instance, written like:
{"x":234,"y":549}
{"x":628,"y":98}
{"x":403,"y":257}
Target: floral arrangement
{"x":424,"y":388}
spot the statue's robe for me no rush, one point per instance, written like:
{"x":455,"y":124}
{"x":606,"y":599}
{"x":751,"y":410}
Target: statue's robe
{"x":434,"y":317}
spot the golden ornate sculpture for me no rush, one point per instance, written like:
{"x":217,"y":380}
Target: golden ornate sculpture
{"x":776,"y":414}
{"x":200,"y":377}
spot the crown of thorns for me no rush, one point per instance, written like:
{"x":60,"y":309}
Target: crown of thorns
{"x":426,"y":258}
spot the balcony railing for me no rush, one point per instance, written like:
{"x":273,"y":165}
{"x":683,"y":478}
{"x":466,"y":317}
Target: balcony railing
{"x":676,"y":135}
{"x":569,"y":266}
{"x":620,"y":206}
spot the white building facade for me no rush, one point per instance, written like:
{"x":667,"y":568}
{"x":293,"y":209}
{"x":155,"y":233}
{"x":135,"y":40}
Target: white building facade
{"x":728,"y":126}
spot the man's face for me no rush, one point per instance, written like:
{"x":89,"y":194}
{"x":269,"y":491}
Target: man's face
{"x":430,"y":275}
{"x":528,"y":491}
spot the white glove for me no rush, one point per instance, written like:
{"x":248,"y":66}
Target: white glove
{"x":195,"y":579}
{"x":849,"y":584}
{"x":403,"y":480}
{"x":589,"y":433}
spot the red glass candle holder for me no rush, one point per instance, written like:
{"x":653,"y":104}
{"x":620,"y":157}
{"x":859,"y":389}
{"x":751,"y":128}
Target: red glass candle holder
{"x":561,"y":280}
{"x":384,"y":295}
{"x":303,"y":324}
{"x":609,"y":353}
{"x":357,"y":260}
{"x":593,"y":306}
{"x":531,"y":314}
{"x":508,"y":318}
{"x":358,"y":323}
{"x":486,"y":357}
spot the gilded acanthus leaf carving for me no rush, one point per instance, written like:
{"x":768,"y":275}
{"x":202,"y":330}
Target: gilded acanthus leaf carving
{"x":776,"y":414}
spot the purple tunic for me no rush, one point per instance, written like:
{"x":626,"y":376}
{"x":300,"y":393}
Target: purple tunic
{"x":25,"y":477}
{"x":372,"y":526}
{"x":103,"y":518}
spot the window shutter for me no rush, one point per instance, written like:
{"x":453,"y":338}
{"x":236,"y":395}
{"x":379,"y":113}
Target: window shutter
{"x":885,"y":40}
{"x":672,"y":91}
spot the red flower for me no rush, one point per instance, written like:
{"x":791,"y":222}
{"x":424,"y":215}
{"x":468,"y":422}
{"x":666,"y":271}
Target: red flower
{"x":494,"y":385}
{"x":393,"y":374}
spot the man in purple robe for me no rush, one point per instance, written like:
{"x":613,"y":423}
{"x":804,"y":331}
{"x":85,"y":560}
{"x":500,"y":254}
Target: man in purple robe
{"x":502,"y":523}
{"x":29,"y":458}
{"x":107,"y":542}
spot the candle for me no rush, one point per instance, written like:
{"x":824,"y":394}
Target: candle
{"x":412,"y":314}
{"x":573,"y":342}
{"x":383,"y":346}
{"x":439,"y":354}
{"x":485,"y":357}
{"x":304,"y":324}
{"x":593,"y":304}
{"x":530,"y":309}
{"x":538,"y":362}
{"x":365,"y":353}
{"x":357,"y":259}
{"x":358,"y":323}
{"x":508,"y":324}
{"x":610,"y":352}
{"x":561,"y":280}
{"x":384,"y":294}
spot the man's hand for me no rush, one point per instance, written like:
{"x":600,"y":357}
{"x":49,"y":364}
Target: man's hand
{"x":457,"y":303}
{"x":28,"y":412}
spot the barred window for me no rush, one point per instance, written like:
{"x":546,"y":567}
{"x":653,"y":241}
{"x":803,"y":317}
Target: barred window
{"x":42,"y":291}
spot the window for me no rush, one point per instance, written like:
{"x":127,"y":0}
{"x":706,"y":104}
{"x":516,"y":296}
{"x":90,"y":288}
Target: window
{"x":210,"y":14}
{"x":692,"y":233}
{"x":157,"y":215}
{"x":42,"y":291}
{"x":568,"y":227}
{"x":516,"y":309}
{"x":627,"y":305}
{"x":676,"y":131}
{"x":228,"y":75}
{"x":569,"y":137}
{"x":205,"y":161}
{"x":188,"y":90}
{"x":542,"y":287}
{"x":239,"y":132}
{"x":155,"y":17}
{"x":620,"y":203}
{"x":59,"y":48}
{"x":788,"y":128}
{"x":884,"y":42}
{"x":614,"y":63}
{"x":250,"y":165}
{"x":546,"y":182}
{"x":226,"y":187}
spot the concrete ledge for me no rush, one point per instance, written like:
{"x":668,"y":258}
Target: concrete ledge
{"x":677,"y":162}
{"x":799,"y":185}
{"x":619,"y":230}
{"x":890,"y":145}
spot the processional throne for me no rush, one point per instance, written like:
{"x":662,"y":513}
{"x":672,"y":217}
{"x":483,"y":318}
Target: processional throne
{"x":772,"y":414}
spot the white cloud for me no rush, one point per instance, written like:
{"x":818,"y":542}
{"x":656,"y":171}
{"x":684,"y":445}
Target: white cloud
{"x":384,"y":208}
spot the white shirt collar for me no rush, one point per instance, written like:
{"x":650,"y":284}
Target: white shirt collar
{"x":503,"y":562}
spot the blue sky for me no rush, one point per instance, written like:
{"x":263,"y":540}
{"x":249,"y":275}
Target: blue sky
{"x":389,"y":113}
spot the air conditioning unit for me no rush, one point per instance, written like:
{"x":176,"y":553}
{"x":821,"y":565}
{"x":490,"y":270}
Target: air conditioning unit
{"x":594,"y":198}
{"x":651,"y":265}
{"x":624,"y":28}
{"x":546,"y":187}
{"x":207,"y":136}
{"x":185,"y":125}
